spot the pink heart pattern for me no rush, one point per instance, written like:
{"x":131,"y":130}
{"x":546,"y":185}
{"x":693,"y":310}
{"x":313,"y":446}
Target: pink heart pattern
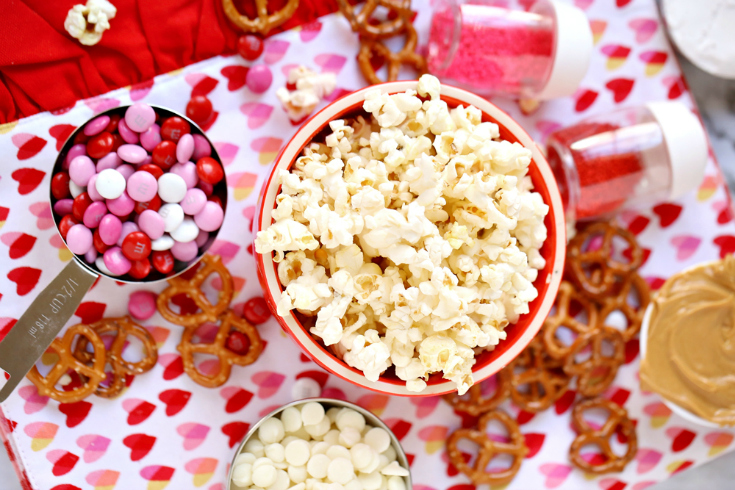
{"x":193,"y":434}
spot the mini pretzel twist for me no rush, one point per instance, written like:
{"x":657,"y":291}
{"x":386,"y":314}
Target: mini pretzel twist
{"x":489,"y":449}
{"x":265,"y":21}
{"x":606,"y":272}
{"x":123,"y":328}
{"x":192,"y":288}
{"x":619,"y":302}
{"x":363,"y":23}
{"x":228,"y":321}
{"x":406,"y":56}
{"x":543,"y":376}
{"x":589,"y":380}
{"x":92,"y":375}
{"x":562,"y":318}
{"x":475,"y":403}
{"x":617,"y":421}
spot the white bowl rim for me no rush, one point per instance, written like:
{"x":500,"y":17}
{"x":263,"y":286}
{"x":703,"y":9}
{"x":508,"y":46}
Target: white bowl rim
{"x":306,"y":133}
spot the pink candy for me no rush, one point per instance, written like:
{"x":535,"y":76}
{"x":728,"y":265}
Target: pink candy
{"x":210,"y":217}
{"x":94,"y":214}
{"x":132,"y":153}
{"x":63,"y":207}
{"x":79,"y":239}
{"x":142,"y":305}
{"x":96,"y":125}
{"x":187,"y":171}
{"x":127,"y":134}
{"x":140,"y":116}
{"x":185,"y":148}
{"x":121,"y":206}
{"x":127,"y":228}
{"x":81,"y":169}
{"x":111,"y":160}
{"x":193,"y":201}
{"x":184,"y":251}
{"x":202,"y":147}
{"x":151,"y":223}
{"x":74,"y":151}
{"x":150,"y":138}
{"x":142,"y":186}
{"x":110,"y":229}
{"x":92,"y":189}
{"x":116,"y":262}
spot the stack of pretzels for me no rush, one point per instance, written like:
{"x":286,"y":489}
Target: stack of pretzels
{"x":373,"y":32}
{"x":575,"y":343}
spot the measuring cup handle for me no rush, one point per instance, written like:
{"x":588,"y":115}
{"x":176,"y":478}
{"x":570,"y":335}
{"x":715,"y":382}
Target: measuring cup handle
{"x":38,"y":326}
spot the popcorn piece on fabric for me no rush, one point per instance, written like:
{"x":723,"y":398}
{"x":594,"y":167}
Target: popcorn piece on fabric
{"x":87,"y":22}
{"x":310,"y":88}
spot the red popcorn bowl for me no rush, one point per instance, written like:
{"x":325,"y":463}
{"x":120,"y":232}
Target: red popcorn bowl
{"x":519,"y":335}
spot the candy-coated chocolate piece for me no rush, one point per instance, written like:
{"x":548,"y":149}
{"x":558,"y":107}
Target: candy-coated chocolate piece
{"x":142,"y":304}
{"x":142,"y":186}
{"x":92,"y":189}
{"x":122,"y":206}
{"x":75,"y":189}
{"x":162,"y":261}
{"x":117,"y":142}
{"x":250,"y":46}
{"x":150,"y":138}
{"x":127,"y":228}
{"x":184,"y":251}
{"x":216,"y":200}
{"x":74,"y":151}
{"x":186,"y":232}
{"x":96,"y":125}
{"x":60,"y":185}
{"x":210,"y":217}
{"x":259,"y":78}
{"x":185,"y":148}
{"x":126,"y":170}
{"x":152,"y":169}
{"x":154,"y":204}
{"x":99,"y":245}
{"x":81,"y":169}
{"x":202,"y":148}
{"x":140,"y":116}
{"x":202,"y":238}
{"x":206,"y":187}
{"x":111,"y":160}
{"x":110,"y":229}
{"x":199,"y":109}
{"x":164,"y":154}
{"x":209,"y":170}
{"x":136,"y":246}
{"x":80,"y":205}
{"x":100,"y":145}
{"x":110,"y":183}
{"x":256,"y":310}
{"x":140,"y":269}
{"x":193,"y":201}
{"x":62,"y":207}
{"x":174,"y":128}
{"x":239,"y":343}
{"x":132,"y":153}
{"x":81,"y":138}
{"x":94,"y":214}
{"x":112,"y":125}
{"x":65,"y":223}
{"x":162,"y":243}
{"x":116,"y":262}
{"x":100,"y":263}
{"x":188,"y":172}
{"x":152,"y":224}
{"x":172,"y":215}
{"x":90,"y":256}
{"x":127,"y":134}
{"x":79,"y":239}
{"x":171,"y":188}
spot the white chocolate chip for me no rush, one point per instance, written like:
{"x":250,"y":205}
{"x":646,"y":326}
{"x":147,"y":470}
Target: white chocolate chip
{"x":271,"y":431}
{"x":340,"y":471}
{"x":378,"y":439}
{"x":297,"y":452}
{"x":265,"y":475}
{"x":312,"y":413}
{"x":275,"y":452}
{"x":291,"y":418}
{"x":318,"y":466}
{"x":338,"y":451}
{"x":394,"y":469}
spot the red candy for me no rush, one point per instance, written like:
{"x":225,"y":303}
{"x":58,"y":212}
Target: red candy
{"x":154,"y":204}
{"x":80,"y":138}
{"x":97,"y":242}
{"x":199,"y":109}
{"x":209,"y":170}
{"x":174,"y":128}
{"x":80,"y":205}
{"x":139,"y":269}
{"x":217,"y":200}
{"x":65,"y":223}
{"x":60,"y":185}
{"x":256,"y":311}
{"x":164,"y":155}
{"x":163,"y":261}
{"x":136,"y":246}
{"x":250,"y":46}
{"x":154,"y":170}
{"x":100,"y":145}
{"x":112,"y":125}
{"x":238,"y":343}
{"x":117,"y":141}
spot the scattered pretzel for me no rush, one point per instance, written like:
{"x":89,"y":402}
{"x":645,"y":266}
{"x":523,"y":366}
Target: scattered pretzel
{"x":489,"y":449}
{"x":543,"y":376}
{"x":363,"y":23}
{"x":123,"y":328}
{"x":588,"y":371}
{"x":605,"y":272}
{"x":192,"y":288}
{"x":63,"y":347}
{"x":474,"y":402}
{"x":562,"y":318}
{"x":617,"y":421}
{"x":265,"y":21}
{"x":229,"y":321}
{"x":406,"y":56}
{"x":619,"y":302}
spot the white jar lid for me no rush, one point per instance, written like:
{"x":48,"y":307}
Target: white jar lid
{"x":574,"y":45}
{"x":686,"y":144}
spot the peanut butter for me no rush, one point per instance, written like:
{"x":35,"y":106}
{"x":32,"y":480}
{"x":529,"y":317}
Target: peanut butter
{"x":690,"y":352}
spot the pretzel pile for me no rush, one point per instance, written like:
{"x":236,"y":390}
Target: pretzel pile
{"x":374,"y":31}
{"x":575,"y":343}
{"x":264,"y":20}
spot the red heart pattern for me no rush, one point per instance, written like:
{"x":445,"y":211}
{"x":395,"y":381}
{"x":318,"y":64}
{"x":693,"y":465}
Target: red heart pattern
{"x":235,"y":75}
{"x":175,"y":400}
{"x":140,"y":445}
{"x":20,"y":244}
{"x":138,"y":410}
{"x":28,"y":179}
{"x":75,"y":412}
{"x":28,"y":145}
{"x":237,"y":398}
{"x":235,"y":431}
{"x":25,"y":279}
{"x":90,"y":311}
{"x":63,"y":461}
{"x":621,"y":88}
{"x":60,"y":133}
{"x":534,"y":442}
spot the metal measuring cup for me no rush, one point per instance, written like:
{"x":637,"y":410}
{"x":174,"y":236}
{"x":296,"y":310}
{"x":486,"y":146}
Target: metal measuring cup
{"x":40,"y":324}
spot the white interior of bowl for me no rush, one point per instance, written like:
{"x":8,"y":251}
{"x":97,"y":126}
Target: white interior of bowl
{"x":306,"y":134}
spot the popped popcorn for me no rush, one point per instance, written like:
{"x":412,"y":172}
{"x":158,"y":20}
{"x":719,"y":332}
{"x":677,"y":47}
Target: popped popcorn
{"x":310,"y":89}
{"x":413,"y":237}
{"x":88,"y":22}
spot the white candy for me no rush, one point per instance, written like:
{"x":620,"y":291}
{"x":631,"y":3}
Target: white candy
{"x":318,"y":465}
{"x":265,"y":475}
{"x":312,"y":413}
{"x":171,"y":187}
{"x":373,"y":466}
{"x":75,"y":189}
{"x":320,"y":429}
{"x":297,"y":474}
{"x":173,"y":216}
{"x":332,"y":413}
{"x":242,"y":475}
{"x":396,"y":483}
{"x":353,"y":485}
{"x":255,"y":447}
{"x":394,"y":469}
{"x":100,"y":263}
{"x":349,"y":436}
{"x":362,"y":455}
{"x":110,"y":183}
{"x":350,"y":418}
{"x":291,"y":418}
{"x":319,"y":447}
{"x":271,"y":431}
{"x":305,"y":388}
{"x":338,"y":451}
{"x":283,"y":482}
{"x":390,"y":453}
{"x":332,"y":437}
{"x":164,"y":242}
{"x":262,"y":461}
{"x":370,"y":481}
{"x":297,"y":453}
{"x":186,"y":231}
{"x":377,"y":439}
{"x":245,"y":458}
{"x":340,"y":470}
{"x":275,"y":452}
{"x":298,"y":486}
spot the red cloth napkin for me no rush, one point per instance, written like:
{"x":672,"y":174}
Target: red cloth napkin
{"x":43,"y":68}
